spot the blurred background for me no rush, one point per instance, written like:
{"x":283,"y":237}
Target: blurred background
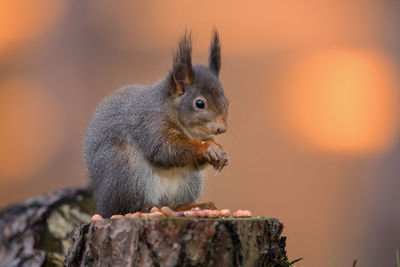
{"x":314,"y":106}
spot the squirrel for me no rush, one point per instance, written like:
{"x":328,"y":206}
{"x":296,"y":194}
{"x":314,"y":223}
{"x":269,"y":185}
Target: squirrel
{"x":146,"y":145}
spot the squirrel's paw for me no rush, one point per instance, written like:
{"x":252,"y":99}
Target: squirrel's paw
{"x":216,"y":156}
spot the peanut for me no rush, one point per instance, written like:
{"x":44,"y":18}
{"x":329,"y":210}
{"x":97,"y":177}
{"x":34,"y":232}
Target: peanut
{"x":242,"y":214}
{"x":154,"y":209}
{"x":97,"y":217}
{"x":117,"y":216}
{"x":137,"y":214}
{"x":190,"y":214}
{"x":225,"y":213}
{"x":168,"y":212}
{"x":214,"y":214}
{"x":156,"y":214}
{"x":203,"y":213}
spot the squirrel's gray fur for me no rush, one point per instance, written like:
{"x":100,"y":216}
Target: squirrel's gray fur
{"x":138,"y":148}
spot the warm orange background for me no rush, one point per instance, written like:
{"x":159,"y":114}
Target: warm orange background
{"x":314,"y":92}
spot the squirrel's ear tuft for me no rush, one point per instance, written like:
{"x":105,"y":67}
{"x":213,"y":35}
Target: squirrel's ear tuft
{"x":182,"y":72}
{"x":214,"y":61}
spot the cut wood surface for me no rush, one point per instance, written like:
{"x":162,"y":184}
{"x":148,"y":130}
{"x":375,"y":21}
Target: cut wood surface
{"x":179,"y":242}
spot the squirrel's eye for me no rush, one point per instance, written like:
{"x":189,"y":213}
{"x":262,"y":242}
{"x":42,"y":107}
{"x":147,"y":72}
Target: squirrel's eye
{"x":199,"y":103}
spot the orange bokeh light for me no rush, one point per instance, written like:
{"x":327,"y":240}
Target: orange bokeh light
{"x":262,"y":26}
{"x":21,"y":20}
{"x":343,"y":100}
{"x":32,"y":128}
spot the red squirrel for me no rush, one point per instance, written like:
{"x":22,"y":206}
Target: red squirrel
{"x":146,"y":145}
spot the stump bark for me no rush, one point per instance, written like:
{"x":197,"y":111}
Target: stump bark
{"x":179,"y":242}
{"x":37,"y":232}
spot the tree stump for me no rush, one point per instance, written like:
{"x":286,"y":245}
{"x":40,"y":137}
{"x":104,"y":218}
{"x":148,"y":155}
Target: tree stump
{"x":179,"y":242}
{"x":37,"y":232}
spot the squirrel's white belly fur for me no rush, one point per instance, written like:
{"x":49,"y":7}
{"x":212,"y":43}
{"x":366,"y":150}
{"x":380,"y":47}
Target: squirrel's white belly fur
{"x":168,"y":184}
{"x":163,"y":186}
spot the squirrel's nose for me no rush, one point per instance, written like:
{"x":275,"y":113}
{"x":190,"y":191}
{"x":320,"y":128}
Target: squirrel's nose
{"x":221,"y":128}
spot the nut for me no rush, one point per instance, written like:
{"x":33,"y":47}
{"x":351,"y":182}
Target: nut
{"x":137,"y":214}
{"x":242,"y":214}
{"x":97,"y":217}
{"x":156,"y":214}
{"x":168,"y":212}
{"x":225,"y":213}
{"x":117,"y":216}
{"x":203,"y":213}
{"x":154,"y":209}
{"x":190,"y":214}
{"x":214,"y":214}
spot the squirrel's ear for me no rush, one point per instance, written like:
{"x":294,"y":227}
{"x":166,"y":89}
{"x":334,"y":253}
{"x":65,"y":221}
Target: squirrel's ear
{"x":182,"y":72}
{"x":214,"y":61}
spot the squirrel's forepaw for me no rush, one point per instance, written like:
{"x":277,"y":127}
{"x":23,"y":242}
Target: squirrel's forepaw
{"x":217,"y":157}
